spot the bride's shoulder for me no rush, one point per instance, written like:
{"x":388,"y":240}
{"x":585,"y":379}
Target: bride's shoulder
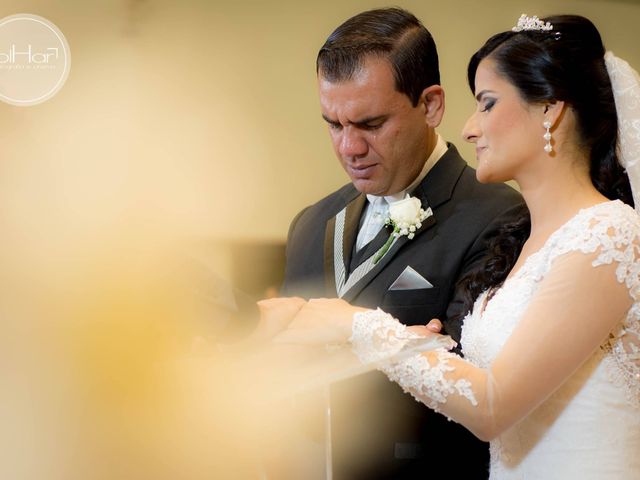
{"x":605,"y":227}
{"x":613,"y":218}
{"x":613,"y":208}
{"x":611,"y":228}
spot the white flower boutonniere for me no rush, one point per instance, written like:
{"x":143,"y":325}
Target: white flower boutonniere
{"x":406,"y":217}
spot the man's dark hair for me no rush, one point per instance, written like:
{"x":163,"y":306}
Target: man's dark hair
{"x":390,"y":33}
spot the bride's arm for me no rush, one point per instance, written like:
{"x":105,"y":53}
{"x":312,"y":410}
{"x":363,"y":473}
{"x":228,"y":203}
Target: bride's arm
{"x":571,"y":314}
{"x":575,"y":308}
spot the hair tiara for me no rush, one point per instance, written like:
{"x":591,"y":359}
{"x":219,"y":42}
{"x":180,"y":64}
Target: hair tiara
{"x":528,"y":24}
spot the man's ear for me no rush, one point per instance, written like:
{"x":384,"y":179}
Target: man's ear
{"x":432,"y":102}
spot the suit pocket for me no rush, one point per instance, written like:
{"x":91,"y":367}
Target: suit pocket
{"x":417,"y":297}
{"x":414,"y":307}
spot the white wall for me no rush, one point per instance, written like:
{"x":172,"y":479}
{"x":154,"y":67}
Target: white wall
{"x":202,"y":117}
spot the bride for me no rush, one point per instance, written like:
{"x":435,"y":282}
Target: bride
{"x":551,"y":368}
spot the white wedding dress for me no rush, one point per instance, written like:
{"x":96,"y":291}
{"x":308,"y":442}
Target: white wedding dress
{"x":552,"y":359}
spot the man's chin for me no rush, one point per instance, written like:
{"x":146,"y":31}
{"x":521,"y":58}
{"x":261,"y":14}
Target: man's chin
{"x":368,"y":187}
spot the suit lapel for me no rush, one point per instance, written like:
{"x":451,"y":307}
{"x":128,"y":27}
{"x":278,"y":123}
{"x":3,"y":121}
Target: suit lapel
{"x":329,"y":270}
{"x":353,"y":212}
{"x":441,"y":181}
{"x":340,"y":235}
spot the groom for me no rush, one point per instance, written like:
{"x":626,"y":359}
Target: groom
{"x":380,"y":95}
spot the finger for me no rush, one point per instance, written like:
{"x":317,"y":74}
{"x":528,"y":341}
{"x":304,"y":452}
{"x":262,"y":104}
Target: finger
{"x":434,"y":325}
{"x":282,"y":304}
{"x":420,"y":330}
{"x":279,"y":301}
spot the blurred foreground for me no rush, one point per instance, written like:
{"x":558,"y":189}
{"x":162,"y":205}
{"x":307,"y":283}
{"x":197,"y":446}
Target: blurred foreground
{"x":125,"y":356}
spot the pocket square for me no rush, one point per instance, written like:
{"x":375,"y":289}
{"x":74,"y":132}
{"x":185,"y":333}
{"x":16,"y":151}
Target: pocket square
{"x":409,"y":279}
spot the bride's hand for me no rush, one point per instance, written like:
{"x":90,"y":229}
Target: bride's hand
{"x":277,"y":313}
{"x":321,"y":322}
{"x":275,"y":316}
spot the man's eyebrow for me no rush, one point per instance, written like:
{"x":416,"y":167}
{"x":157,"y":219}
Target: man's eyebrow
{"x":328,"y":120}
{"x":364,"y":121}
{"x":482,"y":94}
{"x":368,"y":120}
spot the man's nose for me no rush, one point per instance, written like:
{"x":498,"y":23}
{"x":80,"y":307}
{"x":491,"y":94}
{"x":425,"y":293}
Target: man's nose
{"x":352,"y":143}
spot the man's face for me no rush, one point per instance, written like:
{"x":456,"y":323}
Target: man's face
{"x":381,"y":139}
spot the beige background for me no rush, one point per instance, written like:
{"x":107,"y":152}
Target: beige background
{"x":202,"y":116}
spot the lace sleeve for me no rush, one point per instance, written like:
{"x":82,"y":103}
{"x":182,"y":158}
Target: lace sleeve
{"x":377,"y":335}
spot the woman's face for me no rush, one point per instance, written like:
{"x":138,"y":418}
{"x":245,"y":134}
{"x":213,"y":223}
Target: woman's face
{"x":506,"y":130}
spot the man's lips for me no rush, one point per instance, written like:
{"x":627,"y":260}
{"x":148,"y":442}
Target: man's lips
{"x":479,"y":150}
{"x":361,"y":171}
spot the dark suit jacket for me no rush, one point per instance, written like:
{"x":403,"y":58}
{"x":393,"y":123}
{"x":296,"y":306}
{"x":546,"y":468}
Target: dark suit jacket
{"x":400,"y":437}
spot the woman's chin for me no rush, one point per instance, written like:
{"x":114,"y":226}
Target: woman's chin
{"x":484,"y":176}
{"x":488,"y":175}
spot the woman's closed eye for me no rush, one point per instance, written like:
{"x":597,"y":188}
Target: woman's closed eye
{"x":487,"y":104}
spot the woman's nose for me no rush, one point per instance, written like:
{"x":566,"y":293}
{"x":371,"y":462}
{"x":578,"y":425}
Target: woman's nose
{"x":470,"y":132}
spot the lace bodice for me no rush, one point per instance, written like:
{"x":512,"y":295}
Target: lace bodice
{"x":596,"y":230}
{"x":552,"y":369}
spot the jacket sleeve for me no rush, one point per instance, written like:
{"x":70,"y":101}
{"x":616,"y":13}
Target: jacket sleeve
{"x":288,"y":288}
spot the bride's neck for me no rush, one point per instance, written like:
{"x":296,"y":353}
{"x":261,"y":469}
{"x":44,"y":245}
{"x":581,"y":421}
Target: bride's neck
{"x":556,"y":195}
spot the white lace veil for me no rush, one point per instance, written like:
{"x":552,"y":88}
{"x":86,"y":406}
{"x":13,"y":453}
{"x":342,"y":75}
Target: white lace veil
{"x":625,"y":83}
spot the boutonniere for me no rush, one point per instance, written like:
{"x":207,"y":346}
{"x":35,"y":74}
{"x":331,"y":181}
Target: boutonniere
{"x":405,"y":217}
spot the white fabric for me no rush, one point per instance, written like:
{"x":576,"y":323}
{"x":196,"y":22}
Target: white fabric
{"x":377,"y":335}
{"x":375,"y":216}
{"x":377,"y":208}
{"x":552,"y":357}
{"x":625,"y":83}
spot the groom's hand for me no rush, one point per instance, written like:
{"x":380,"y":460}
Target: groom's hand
{"x":434,"y":326}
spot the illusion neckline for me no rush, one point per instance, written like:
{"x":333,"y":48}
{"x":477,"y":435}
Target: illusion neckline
{"x":583,"y":211}
{"x":530,"y":259}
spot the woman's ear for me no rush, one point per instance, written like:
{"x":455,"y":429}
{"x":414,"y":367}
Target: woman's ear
{"x":432,"y":102}
{"x":553,"y":112}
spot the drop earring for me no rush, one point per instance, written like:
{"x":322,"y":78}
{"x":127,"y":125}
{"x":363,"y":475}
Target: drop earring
{"x":547,"y":136}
